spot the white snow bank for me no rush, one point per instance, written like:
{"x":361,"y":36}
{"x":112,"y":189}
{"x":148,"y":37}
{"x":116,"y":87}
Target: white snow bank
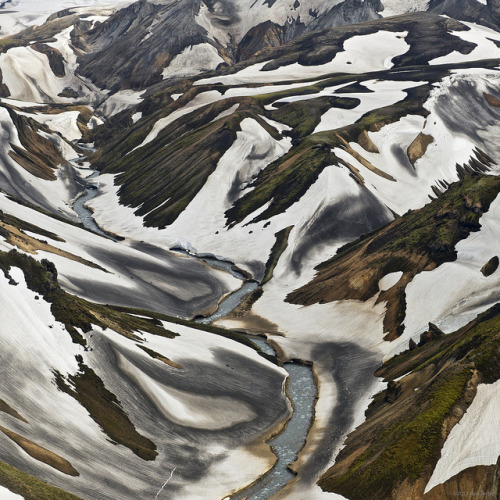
{"x":6,"y":494}
{"x":65,"y":123}
{"x":480,"y":35}
{"x":362,"y":54}
{"x":397,"y":7}
{"x":389,"y":280}
{"x":384,"y":93}
{"x":23,"y":13}
{"x":120,"y":101}
{"x":199,"y":101}
{"x":193,"y":60}
{"x":456,"y":292}
{"x":475,"y":440}
{"x":189,"y":409}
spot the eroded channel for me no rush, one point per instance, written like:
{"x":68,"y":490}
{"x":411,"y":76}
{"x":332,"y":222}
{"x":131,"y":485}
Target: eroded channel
{"x":301,"y":388}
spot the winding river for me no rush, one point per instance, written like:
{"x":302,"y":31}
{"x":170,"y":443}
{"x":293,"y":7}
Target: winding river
{"x":301,"y":387}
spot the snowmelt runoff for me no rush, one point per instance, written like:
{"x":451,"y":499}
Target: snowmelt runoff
{"x":301,"y":386}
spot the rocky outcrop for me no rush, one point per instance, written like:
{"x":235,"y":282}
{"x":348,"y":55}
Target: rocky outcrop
{"x":266,"y":35}
{"x":492,"y":100}
{"x":418,"y":147}
{"x":490,"y":267}
{"x":157,"y":33}
{"x":366,"y":143}
{"x":56,"y":60}
{"x":393,"y":453}
{"x":348,"y":12}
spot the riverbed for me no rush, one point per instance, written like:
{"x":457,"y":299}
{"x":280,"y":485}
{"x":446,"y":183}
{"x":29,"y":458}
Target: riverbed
{"x":301,"y":388}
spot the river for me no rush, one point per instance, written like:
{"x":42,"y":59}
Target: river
{"x":301,"y":386}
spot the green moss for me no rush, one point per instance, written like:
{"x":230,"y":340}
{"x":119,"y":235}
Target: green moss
{"x":285,"y":181}
{"x":75,"y":313}
{"x":9,"y":43}
{"x":407,"y":441}
{"x":106,"y":410}
{"x":304,"y":116}
{"x":404,"y":449}
{"x":29,"y":487}
{"x":278,"y":248}
{"x":436,"y":228}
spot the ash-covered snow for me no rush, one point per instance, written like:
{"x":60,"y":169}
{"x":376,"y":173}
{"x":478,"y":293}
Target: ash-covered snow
{"x":361,"y":54}
{"x":193,"y":60}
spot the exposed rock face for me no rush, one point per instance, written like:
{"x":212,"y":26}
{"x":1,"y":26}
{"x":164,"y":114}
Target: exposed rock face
{"x":393,"y":453}
{"x":483,"y":481}
{"x":366,"y":143}
{"x":418,"y":147}
{"x":4,"y":90}
{"x":490,"y":267}
{"x":469,"y":10}
{"x":56,"y":59}
{"x":492,"y":100}
{"x":349,"y":12}
{"x":432,"y":333}
{"x":113,"y":64}
{"x":354,"y":272}
{"x":266,"y":35}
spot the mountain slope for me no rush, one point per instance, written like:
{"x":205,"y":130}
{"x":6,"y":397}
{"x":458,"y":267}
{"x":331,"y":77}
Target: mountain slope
{"x":178,"y":176}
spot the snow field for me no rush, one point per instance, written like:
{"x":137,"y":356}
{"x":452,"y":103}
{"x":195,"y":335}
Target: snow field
{"x":475,"y":440}
{"x":384,"y":46}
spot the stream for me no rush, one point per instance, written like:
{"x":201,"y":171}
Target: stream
{"x":84,"y":214}
{"x":302,"y":393}
{"x":301,"y":386}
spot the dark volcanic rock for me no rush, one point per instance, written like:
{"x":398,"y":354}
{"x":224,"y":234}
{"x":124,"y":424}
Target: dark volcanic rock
{"x":56,"y":60}
{"x":131,"y":49}
{"x":490,"y":267}
{"x":431,"y":334}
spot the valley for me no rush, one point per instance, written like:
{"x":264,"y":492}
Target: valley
{"x":249,"y":251}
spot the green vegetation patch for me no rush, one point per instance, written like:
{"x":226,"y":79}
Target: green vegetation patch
{"x":106,"y":410}
{"x":29,"y":487}
{"x":420,"y":240}
{"x":74,"y":312}
{"x":403,"y":450}
{"x":286,"y":180}
{"x":304,"y":116}
{"x":407,"y":424}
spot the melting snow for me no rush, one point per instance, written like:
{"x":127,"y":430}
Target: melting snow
{"x":356,"y":58}
{"x":475,"y":440}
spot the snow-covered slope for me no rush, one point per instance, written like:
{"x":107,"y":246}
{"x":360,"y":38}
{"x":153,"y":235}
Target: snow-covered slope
{"x":285,"y":152}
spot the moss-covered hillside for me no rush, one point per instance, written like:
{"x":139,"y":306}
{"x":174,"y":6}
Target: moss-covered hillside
{"x":393,"y":453}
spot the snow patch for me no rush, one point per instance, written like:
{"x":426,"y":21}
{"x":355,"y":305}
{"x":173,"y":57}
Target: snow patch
{"x":193,"y":60}
{"x":389,"y":280}
{"x":475,"y":440}
{"x":482,"y":37}
{"x":361,"y":54}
